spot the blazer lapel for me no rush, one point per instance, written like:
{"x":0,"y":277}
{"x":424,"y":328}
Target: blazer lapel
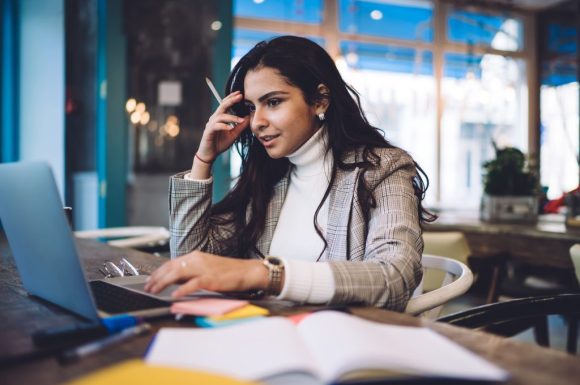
{"x":274,"y":209}
{"x":339,"y":215}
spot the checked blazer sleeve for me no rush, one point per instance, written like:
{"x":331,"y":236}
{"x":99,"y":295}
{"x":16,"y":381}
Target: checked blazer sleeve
{"x":190,"y":224}
{"x":383,"y":266}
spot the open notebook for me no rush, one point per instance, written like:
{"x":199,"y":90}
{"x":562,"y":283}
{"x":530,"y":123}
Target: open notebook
{"x":326,"y":347}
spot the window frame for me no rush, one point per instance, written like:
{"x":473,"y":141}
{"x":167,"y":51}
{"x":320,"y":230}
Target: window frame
{"x":329,"y":31}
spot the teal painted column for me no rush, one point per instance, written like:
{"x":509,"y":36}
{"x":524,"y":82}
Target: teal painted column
{"x":8,"y":81}
{"x":222,"y":57}
{"x":112,"y":135}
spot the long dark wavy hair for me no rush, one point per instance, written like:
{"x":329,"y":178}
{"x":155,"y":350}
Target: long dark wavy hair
{"x":305,"y":65}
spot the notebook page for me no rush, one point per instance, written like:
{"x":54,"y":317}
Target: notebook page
{"x":250,"y":351}
{"x":343,"y":343}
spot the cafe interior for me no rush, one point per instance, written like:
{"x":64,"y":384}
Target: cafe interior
{"x":484,"y":95}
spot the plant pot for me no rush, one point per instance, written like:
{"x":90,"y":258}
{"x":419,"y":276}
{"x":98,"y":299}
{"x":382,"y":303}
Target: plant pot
{"x":510,"y":209}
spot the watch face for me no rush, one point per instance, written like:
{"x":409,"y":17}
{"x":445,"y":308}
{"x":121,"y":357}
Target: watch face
{"x":274,"y":261}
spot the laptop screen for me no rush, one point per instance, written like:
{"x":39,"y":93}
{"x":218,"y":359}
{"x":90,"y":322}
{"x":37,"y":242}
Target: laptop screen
{"x":40,"y":238}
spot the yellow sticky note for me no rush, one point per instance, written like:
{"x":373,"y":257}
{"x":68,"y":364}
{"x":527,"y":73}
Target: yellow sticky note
{"x":137,"y":372}
{"x":244,"y":312}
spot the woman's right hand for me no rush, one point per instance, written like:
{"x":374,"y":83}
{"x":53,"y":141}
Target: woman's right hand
{"x":220,"y":133}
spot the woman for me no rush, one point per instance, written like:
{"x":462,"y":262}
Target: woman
{"x":333,"y":205}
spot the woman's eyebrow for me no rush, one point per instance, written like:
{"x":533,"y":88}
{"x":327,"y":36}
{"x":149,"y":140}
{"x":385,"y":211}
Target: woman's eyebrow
{"x":270,"y":94}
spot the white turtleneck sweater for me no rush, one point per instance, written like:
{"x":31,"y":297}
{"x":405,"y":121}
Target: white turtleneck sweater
{"x":295,"y":239}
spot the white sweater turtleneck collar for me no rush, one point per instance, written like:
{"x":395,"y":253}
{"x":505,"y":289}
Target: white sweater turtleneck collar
{"x":312,"y":158}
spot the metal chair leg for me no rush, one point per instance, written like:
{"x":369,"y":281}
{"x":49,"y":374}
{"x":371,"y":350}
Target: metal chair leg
{"x":572,"y":342}
{"x":541,"y":331}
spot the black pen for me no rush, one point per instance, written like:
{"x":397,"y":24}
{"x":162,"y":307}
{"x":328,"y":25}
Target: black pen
{"x":69,"y":335}
{"x":97,"y":346}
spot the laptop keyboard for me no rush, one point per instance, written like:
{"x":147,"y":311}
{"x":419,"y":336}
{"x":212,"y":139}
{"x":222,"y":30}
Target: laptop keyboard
{"x":114,"y":299}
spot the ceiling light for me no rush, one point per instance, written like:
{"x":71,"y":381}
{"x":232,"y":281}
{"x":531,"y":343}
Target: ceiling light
{"x":135,"y":117}
{"x":216,"y":25}
{"x":130,"y":105}
{"x":352,"y":58}
{"x":376,"y":15}
{"x":144,"y":118}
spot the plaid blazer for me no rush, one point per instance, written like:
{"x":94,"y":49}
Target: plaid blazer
{"x":375,"y":262}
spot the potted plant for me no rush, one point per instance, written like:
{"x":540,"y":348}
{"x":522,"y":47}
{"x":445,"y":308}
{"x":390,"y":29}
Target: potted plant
{"x":510,"y":188}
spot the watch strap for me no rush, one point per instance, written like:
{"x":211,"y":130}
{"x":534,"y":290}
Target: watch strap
{"x":275,"y":268}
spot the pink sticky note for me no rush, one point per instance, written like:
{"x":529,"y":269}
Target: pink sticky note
{"x":297,"y":318}
{"x":207,"y":306}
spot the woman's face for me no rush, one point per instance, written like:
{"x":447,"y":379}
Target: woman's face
{"x":280,"y":117}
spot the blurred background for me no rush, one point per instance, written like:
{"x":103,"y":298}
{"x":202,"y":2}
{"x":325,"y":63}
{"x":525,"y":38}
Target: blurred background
{"x":112,"y":92}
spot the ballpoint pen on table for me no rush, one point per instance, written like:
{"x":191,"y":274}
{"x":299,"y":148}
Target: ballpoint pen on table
{"x":97,"y":346}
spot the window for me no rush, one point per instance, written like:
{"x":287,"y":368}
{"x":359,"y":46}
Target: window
{"x":405,"y":20}
{"x":559,"y":106}
{"x":391,"y":52}
{"x":246,"y":39}
{"x":398,"y":95}
{"x":484,"y":103}
{"x":301,"y":11}
{"x":502,"y":32}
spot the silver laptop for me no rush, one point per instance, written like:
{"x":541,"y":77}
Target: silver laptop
{"x":43,"y":247}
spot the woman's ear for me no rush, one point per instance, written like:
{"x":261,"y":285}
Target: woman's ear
{"x":323,"y":100}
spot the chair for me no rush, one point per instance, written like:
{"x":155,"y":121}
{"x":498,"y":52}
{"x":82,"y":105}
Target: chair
{"x":450,"y":244}
{"x":572,"y":343}
{"x":511,"y":317}
{"x":487,"y":269}
{"x":575,"y":257}
{"x":506,"y":318}
{"x":457,"y":280}
{"x":146,"y":238}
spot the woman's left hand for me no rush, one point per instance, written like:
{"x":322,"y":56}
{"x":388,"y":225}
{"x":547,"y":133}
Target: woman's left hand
{"x":198,"y":270}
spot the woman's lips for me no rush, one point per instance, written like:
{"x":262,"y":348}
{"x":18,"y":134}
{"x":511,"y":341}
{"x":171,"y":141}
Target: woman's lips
{"x":268,"y":140}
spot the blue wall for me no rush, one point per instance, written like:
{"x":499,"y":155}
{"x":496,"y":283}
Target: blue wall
{"x":41,"y":45}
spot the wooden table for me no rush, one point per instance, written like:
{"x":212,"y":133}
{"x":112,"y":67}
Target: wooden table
{"x":22,"y":363}
{"x":545,"y":243}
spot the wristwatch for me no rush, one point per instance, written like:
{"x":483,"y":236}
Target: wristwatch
{"x":275,"y":268}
